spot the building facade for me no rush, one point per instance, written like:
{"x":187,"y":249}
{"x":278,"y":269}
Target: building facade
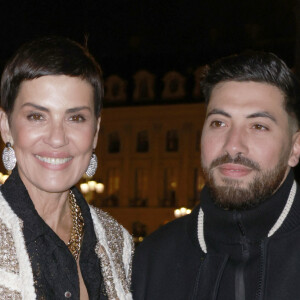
{"x":149,"y":162}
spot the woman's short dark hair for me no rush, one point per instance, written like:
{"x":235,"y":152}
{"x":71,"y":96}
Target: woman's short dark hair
{"x":50,"y":56}
{"x":259,"y":67}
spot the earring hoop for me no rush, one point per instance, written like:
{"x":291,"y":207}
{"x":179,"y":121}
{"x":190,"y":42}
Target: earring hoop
{"x":91,"y":170}
{"x":9,"y":157}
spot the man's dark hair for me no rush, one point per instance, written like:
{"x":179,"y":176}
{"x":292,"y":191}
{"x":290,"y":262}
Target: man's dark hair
{"x":258,"y":67}
{"x":50,"y":56}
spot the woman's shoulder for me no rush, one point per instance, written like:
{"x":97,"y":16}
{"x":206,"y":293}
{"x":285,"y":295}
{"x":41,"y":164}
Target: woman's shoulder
{"x":107,"y":222}
{"x":115,"y":249}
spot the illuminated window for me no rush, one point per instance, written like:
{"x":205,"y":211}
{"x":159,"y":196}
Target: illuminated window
{"x":140,"y":187}
{"x":113,"y":187}
{"x":170,"y":185}
{"x":142,"y":144}
{"x":198,"y":185}
{"x":172,"y":141}
{"x":114,"y":142}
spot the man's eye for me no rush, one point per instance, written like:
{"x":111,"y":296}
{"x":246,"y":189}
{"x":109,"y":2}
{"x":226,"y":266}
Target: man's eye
{"x":259,"y":127}
{"x":77,"y":118}
{"x":217,"y":124}
{"x":35,"y":117}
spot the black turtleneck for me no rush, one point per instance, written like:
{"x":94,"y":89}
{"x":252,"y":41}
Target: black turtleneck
{"x":238,"y":234}
{"x":241,"y":262}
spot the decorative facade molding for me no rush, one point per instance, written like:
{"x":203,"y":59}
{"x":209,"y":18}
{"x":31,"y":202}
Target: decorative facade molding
{"x":144,"y":86}
{"x":173,"y":86}
{"x":199,"y":75}
{"x":115,"y":89}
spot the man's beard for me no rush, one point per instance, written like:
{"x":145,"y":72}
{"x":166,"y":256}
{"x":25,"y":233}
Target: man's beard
{"x":232,"y":196}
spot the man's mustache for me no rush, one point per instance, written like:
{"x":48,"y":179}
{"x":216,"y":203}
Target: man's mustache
{"x":236,"y":160}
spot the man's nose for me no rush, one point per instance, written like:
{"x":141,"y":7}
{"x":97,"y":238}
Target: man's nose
{"x":236,"y":142}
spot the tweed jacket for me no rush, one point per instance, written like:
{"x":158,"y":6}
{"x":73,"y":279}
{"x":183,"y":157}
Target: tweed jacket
{"x":114,"y":248}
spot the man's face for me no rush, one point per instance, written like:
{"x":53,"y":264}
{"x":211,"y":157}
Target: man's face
{"x":246,"y":145}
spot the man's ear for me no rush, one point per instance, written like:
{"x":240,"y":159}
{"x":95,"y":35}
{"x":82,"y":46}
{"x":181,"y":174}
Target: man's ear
{"x":5,"y":128}
{"x":295,"y":151}
{"x":96,"y":133}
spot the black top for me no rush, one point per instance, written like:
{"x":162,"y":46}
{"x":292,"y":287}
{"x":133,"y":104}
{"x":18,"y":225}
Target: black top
{"x":54,"y":268}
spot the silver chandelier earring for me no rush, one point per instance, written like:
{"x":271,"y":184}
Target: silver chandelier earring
{"x":91,"y":170}
{"x":9,"y":157}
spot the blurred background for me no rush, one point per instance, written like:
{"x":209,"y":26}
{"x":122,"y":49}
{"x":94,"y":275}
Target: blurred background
{"x":153,"y":54}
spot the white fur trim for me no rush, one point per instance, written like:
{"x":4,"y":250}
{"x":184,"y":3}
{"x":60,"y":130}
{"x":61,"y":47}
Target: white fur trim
{"x":127,"y":255}
{"x":100,"y":233}
{"x":25,"y":284}
{"x":10,"y":280}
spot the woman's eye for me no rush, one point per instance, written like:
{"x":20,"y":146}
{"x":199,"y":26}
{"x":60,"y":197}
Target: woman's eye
{"x":217,"y":124}
{"x":35,"y":117}
{"x":77,"y":118}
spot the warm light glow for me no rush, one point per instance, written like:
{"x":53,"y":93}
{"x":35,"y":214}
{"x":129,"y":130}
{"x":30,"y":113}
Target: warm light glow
{"x":183,"y":211}
{"x":84,"y":187}
{"x":180,"y":212}
{"x":177,"y":213}
{"x":99,"y":188}
{"x":92,"y":185}
{"x":4,"y":177}
{"x":173,"y":185}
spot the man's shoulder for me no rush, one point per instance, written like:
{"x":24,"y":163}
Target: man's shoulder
{"x":177,"y":233}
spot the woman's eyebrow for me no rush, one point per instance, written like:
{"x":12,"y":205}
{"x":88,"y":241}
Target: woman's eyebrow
{"x":39,"y":107}
{"x":79,"y":108}
{"x":42,"y":108}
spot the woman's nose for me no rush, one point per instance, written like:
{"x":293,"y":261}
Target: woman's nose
{"x":56,"y":136}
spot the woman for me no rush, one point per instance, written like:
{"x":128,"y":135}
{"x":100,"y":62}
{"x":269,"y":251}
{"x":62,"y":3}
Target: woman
{"x":52,"y":244}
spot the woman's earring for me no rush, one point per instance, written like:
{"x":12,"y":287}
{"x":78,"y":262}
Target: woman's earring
{"x":91,"y":170}
{"x":9,"y":157}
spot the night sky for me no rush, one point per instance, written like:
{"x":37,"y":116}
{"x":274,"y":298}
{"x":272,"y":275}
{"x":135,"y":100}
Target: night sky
{"x":159,"y":35}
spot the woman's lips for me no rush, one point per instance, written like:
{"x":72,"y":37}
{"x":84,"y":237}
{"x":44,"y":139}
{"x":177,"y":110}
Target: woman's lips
{"x":234,"y":170}
{"x":53,"y":160}
{"x":54,"y":163}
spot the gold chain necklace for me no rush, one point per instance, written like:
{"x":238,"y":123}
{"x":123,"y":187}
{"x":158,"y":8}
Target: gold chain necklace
{"x":75,"y":241}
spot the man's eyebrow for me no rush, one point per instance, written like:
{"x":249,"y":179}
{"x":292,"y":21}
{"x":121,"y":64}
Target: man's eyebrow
{"x":216,"y":111}
{"x":262,"y":114}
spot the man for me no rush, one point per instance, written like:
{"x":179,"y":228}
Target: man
{"x":243,"y":241}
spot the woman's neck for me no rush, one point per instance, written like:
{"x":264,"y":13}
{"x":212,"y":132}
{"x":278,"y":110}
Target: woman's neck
{"x":54,"y":209}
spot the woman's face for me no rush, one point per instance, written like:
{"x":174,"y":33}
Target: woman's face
{"x":53,"y":130}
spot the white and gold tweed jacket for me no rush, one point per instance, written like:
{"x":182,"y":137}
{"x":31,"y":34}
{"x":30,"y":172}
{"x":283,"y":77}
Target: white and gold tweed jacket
{"x":114,"y":248}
